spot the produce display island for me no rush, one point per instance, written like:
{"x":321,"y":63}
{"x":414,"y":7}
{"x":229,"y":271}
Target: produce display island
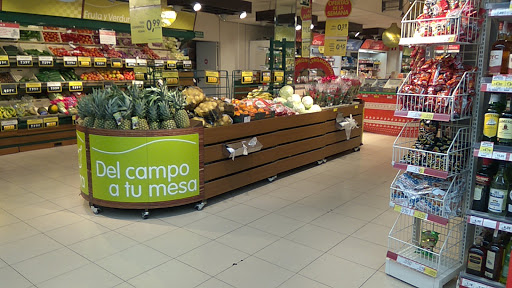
{"x":149,"y":169}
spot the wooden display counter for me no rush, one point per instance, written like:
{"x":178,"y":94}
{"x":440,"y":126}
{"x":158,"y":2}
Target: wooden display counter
{"x":288,"y":143}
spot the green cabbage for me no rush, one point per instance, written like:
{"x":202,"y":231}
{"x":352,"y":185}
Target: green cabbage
{"x":286,"y":92}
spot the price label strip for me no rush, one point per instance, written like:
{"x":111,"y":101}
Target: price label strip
{"x":266,"y":77}
{"x":212,"y":77}
{"x":472,"y":284}
{"x":415,"y":169}
{"x":488,"y":223}
{"x":412,"y":264}
{"x":414,"y":114}
{"x":24,"y":61}
{"x":4,"y":61}
{"x":130,"y":63}
{"x":84,"y":61}
{"x":34,"y":124}
{"x":486,"y":149}
{"x":247,"y":77}
{"x":501,"y":83}
{"x":45,"y":61}
{"x":76,"y":86}
{"x":9,"y":89}
{"x":51,"y":122}
{"x":116,"y":63}
{"x":33,"y":87}
{"x":9,"y":125}
{"x":499,"y":156}
{"x":279,"y":76}
{"x":54,"y":87}
{"x":172,"y":78}
{"x":100,"y":62}
{"x":171,"y":64}
{"x":427,"y":116}
{"x":475,"y":220}
{"x":505,"y":227}
{"x":70,"y":61}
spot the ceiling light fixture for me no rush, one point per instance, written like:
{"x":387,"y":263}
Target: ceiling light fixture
{"x":298,"y":27}
{"x":243,"y":15}
{"x":357,"y":34}
{"x":312,"y":26}
{"x":197,"y":7}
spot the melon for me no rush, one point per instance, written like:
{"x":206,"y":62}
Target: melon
{"x":53,"y":109}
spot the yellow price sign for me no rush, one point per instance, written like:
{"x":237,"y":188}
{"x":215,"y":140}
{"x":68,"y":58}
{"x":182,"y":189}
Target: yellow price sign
{"x":51,"y":122}
{"x":486,"y":149}
{"x":266,"y":77}
{"x":212,"y":77}
{"x":306,"y":49}
{"x":336,"y":27}
{"x":397,"y":208}
{"x":100,"y":62}
{"x":247,"y":77}
{"x":76,"y":86}
{"x":420,"y":215}
{"x":335,"y":47}
{"x":145,"y":21}
{"x":321,"y":49}
{"x":4,"y":61}
{"x":171,"y":77}
{"x":279,"y":76}
{"x":171,"y":64}
{"x":427,"y":116}
{"x":430,"y":272}
{"x":116,"y":63}
{"x":33,"y":87}
{"x":84,"y":61}
{"x":34,"y":123}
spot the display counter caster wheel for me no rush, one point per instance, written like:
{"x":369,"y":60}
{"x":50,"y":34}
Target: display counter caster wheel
{"x":270,"y":179}
{"x":199,"y":206}
{"x":145,"y":214}
{"x":356,"y":149}
{"x":95,"y":209}
{"x":322,"y":161}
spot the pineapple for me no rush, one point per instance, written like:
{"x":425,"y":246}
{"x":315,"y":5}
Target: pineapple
{"x":126,"y":108}
{"x":111,"y":108}
{"x":165,"y":116}
{"x":181,"y":115}
{"x":153,"y":116}
{"x":86,"y":108}
{"x":99,"y":100}
{"x":80,"y":107}
{"x":140,"y":112}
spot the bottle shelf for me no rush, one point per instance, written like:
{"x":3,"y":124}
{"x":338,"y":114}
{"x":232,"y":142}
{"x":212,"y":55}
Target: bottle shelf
{"x":467,"y":280}
{"x":503,"y":85}
{"x":442,"y":165}
{"x":499,"y":152}
{"x":488,"y":220}
{"x":499,"y":10}
{"x":453,"y":107}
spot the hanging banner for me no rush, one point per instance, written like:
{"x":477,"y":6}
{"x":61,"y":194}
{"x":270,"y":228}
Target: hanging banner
{"x":338,"y":8}
{"x":145,"y":21}
{"x":336,"y":27}
{"x":306,"y":16}
{"x":70,"y":9}
{"x":318,"y":63}
{"x":335,"y":47}
{"x":106,"y":10}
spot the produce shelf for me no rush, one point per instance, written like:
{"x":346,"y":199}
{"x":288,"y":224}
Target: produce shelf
{"x":488,"y":220}
{"x":453,"y":107}
{"x":472,"y":281}
{"x":436,"y":164}
{"x":404,"y":245}
{"x":500,"y":152}
{"x":437,"y":208}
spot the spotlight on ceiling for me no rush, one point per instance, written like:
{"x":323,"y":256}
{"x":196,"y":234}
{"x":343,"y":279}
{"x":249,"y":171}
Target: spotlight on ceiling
{"x":197,"y":7}
{"x":312,"y":26}
{"x":298,"y":27}
{"x":357,"y":34}
{"x":243,"y":15}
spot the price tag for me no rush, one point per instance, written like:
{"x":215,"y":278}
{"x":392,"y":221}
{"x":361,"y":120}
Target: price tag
{"x":490,"y":223}
{"x":279,"y":76}
{"x":212,"y":77}
{"x":84,"y":61}
{"x":45,"y":61}
{"x":4,"y":61}
{"x":407,"y":211}
{"x":485,"y":150}
{"x":54,"y":86}
{"x":34,"y":123}
{"x":415,"y":169}
{"x":247,"y":77}
{"x":171,"y":64}
{"x":247,"y":119}
{"x":321,"y":49}
{"x":24,"y":61}
{"x":108,"y":37}
{"x":501,"y":83}
{"x":10,"y":30}
{"x":413,"y":114}
{"x":409,"y":263}
{"x":505,"y":227}
{"x":336,"y":27}
{"x":499,"y":156}
{"x":116,"y":63}
{"x":430,"y":272}
{"x":33,"y":87}
{"x":76,"y":86}
{"x":51,"y":122}
{"x":335,"y":47}
{"x":142,"y":62}
{"x":171,"y":77}
{"x":100,"y":62}
{"x":145,"y":18}
{"x":159,"y":63}
{"x":138,"y":84}
{"x":266,"y":77}
{"x":187,"y":64}
{"x":476,"y":220}
{"x":9,"y":125}
{"x":420,"y":215}
{"x":73,"y":118}
{"x":471,"y":284}
{"x":70,"y":61}
{"x":9,"y":89}
{"x":427,"y":116}
{"x":130,"y":63}
{"x":108,"y":84}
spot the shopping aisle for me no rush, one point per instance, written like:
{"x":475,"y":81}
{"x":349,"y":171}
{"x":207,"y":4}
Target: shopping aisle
{"x":324,"y":226}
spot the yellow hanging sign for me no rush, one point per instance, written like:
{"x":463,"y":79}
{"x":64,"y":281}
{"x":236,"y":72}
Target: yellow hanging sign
{"x":145,"y":21}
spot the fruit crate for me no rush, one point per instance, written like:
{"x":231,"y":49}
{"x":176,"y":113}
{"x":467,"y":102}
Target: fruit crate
{"x":456,"y":105}
{"x":453,"y":159}
{"x":405,"y":246}
{"x":425,"y":23}
{"x":443,"y":198}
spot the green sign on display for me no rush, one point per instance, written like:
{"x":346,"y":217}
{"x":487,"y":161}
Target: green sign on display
{"x":82,"y":162}
{"x":144,"y":169}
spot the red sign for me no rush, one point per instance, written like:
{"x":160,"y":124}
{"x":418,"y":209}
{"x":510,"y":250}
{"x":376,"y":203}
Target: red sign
{"x":338,"y":8}
{"x":318,"y":39}
{"x":302,"y":64}
{"x":306,"y":12}
{"x":374,"y":45}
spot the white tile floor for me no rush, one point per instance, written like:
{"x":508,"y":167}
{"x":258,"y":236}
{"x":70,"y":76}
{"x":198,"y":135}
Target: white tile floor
{"x":321,"y":226}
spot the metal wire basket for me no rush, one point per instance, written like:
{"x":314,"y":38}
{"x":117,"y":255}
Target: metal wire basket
{"x":425,"y":24}
{"x":455,"y":106}
{"x":406,"y":156}
{"x":441,"y":198}
{"x":405,"y":245}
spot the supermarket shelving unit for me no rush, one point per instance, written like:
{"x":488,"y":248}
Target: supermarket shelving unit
{"x":406,"y":259}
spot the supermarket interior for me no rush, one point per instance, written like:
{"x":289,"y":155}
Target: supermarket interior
{"x":255,"y":143}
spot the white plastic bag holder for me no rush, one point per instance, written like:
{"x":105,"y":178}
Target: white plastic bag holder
{"x":346,"y":123}
{"x":243,"y":148}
